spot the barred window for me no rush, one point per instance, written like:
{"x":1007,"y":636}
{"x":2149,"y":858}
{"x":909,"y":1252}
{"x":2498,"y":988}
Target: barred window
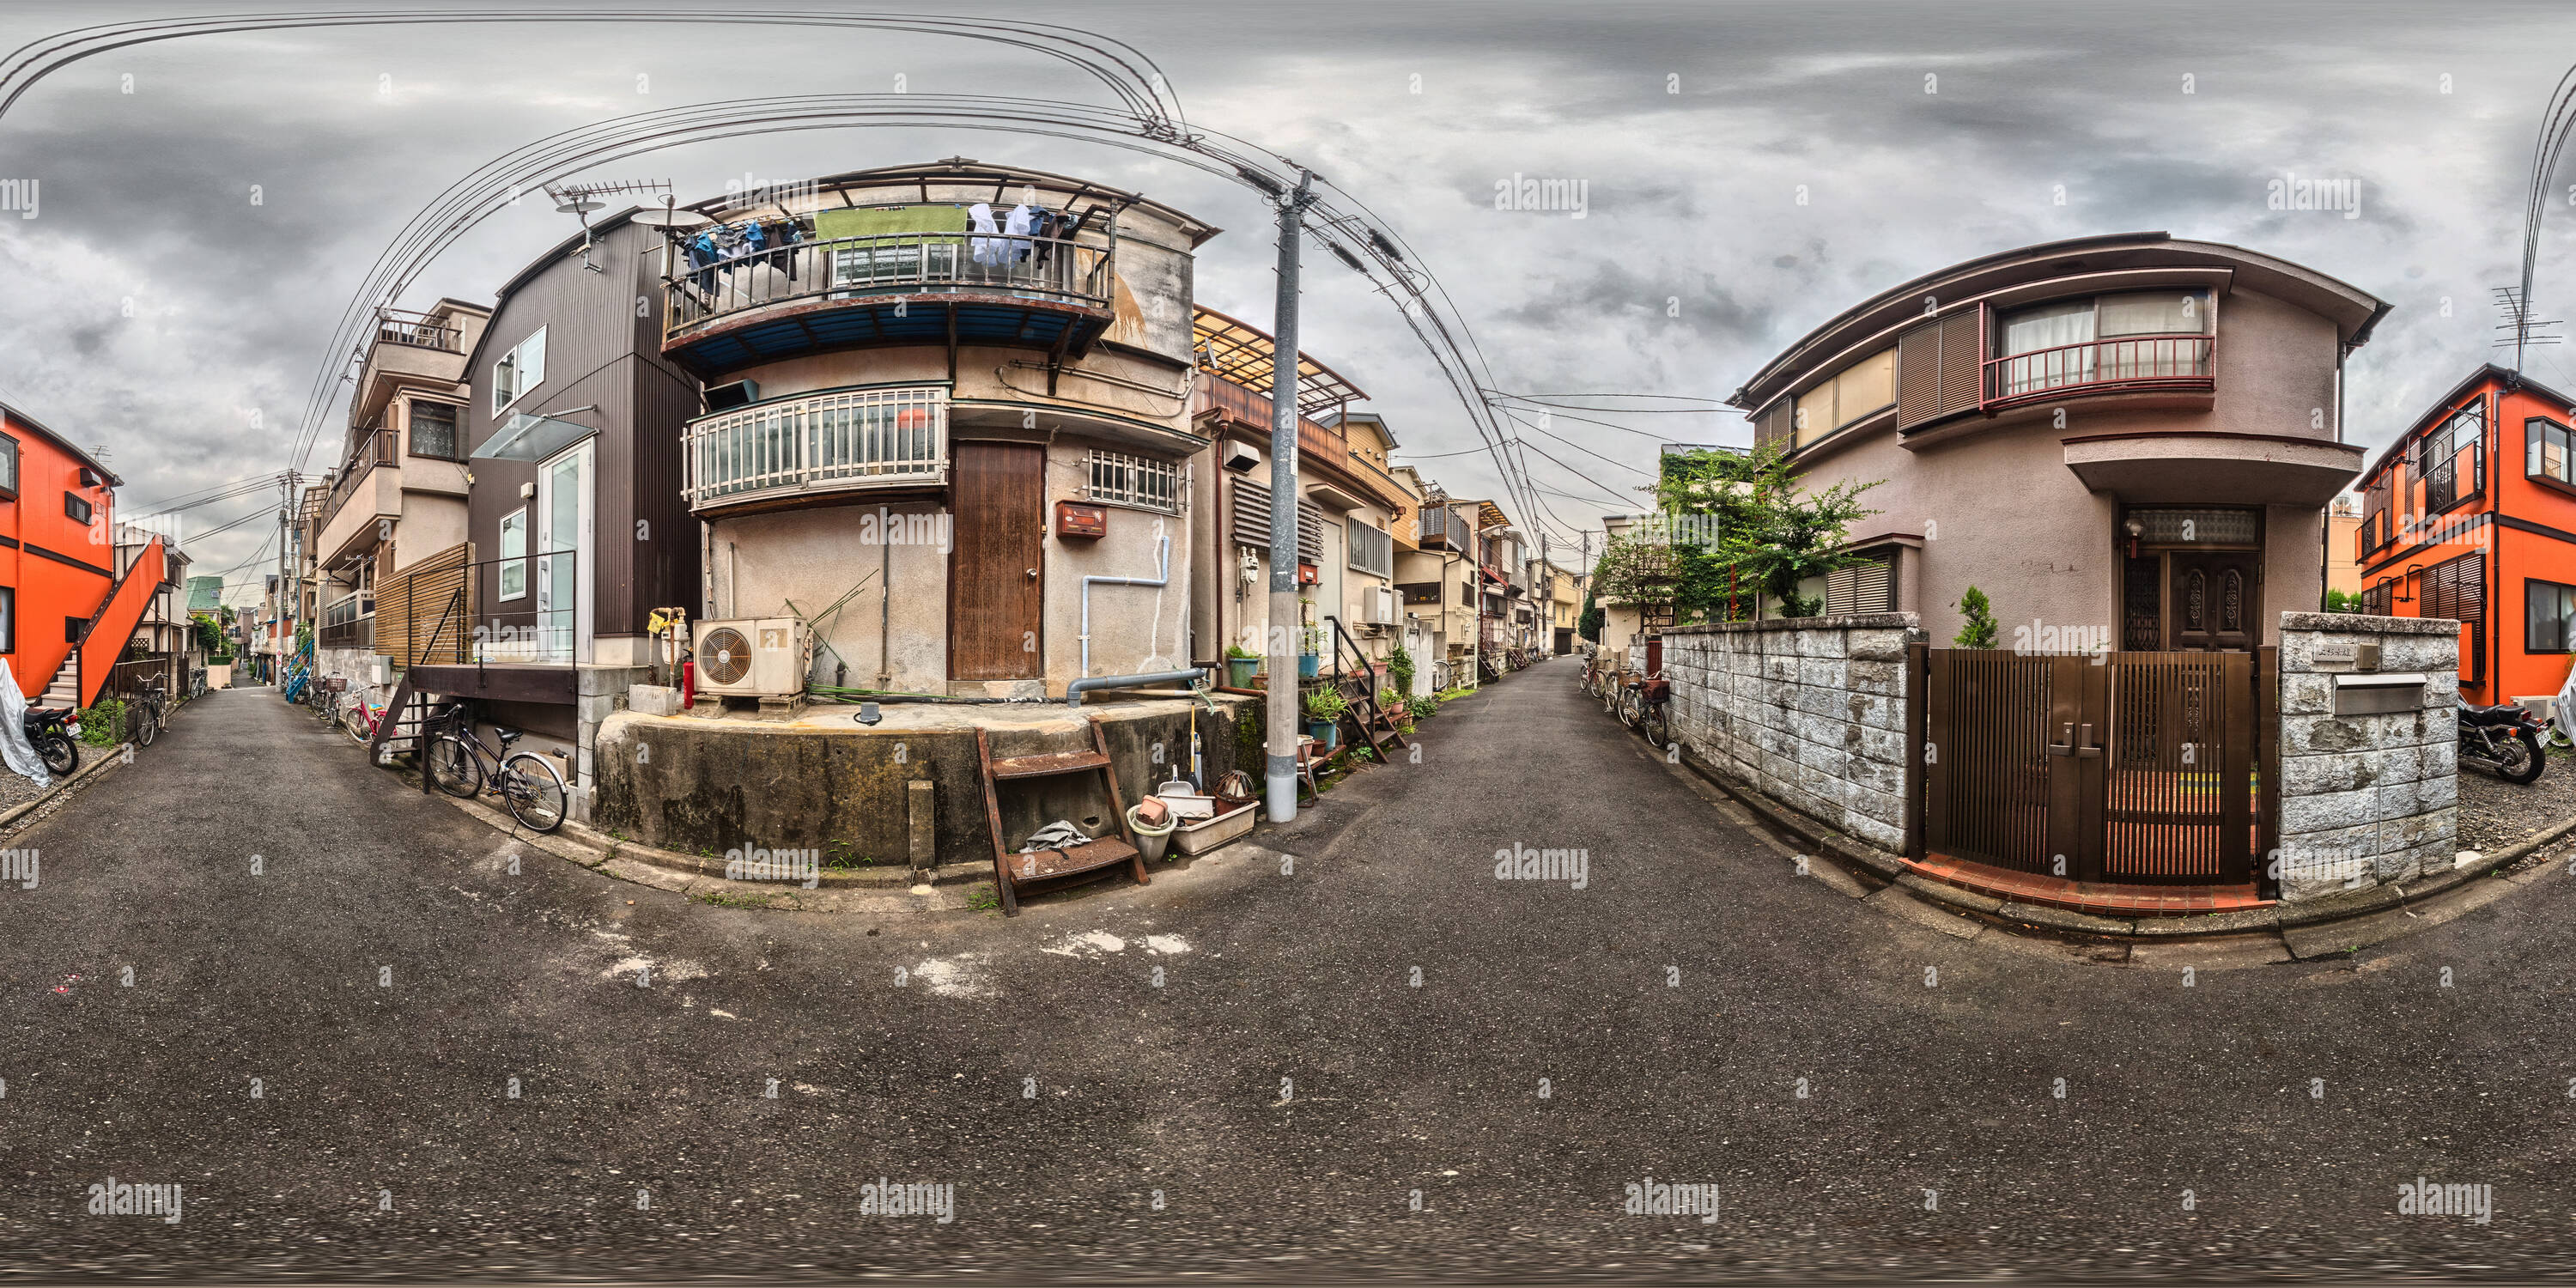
{"x":1121,"y":479}
{"x":1372,"y":551}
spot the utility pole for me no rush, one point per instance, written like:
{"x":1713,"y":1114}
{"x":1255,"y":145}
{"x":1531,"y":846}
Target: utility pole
{"x":1282,"y":712}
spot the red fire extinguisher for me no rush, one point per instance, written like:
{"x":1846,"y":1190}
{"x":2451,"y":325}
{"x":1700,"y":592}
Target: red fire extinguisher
{"x":688,"y":682}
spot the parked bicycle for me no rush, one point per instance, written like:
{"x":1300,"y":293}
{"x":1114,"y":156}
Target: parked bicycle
{"x":524,"y":781}
{"x":148,"y":711}
{"x":360,"y":717}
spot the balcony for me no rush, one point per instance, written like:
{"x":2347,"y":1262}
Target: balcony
{"x":370,"y":473}
{"x":349,"y":622}
{"x":817,"y":449}
{"x":888,"y":289}
{"x":419,"y":331}
{"x":2139,"y":363}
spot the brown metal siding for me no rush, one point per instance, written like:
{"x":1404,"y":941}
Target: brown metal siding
{"x":1962,"y":350}
{"x":597,"y":352}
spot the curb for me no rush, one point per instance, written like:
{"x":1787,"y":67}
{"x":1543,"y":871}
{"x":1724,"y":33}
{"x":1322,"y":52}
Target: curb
{"x":2359,"y":905}
{"x":115,"y":756}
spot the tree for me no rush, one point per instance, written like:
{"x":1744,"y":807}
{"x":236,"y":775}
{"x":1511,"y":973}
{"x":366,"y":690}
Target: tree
{"x":1589,"y":624}
{"x":1979,"y":630}
{"x":1757,"y":533}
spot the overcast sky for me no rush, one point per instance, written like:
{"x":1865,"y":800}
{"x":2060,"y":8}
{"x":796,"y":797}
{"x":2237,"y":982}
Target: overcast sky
{"x":153,"y":308}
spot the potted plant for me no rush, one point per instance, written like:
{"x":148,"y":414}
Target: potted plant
{"x":1310,"y":652}
{"x":1324,"y":708}
{"x":1240,"y":663}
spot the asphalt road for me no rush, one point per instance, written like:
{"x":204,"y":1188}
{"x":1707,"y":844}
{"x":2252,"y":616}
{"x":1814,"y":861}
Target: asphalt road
{"x":1273,"y":1109}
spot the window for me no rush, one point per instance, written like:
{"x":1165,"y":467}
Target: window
{"x":1867,"y":585}
{"x":2374,"y":599}
{"x":1855,"y":391}
{"x":8,"y":465}
{"x":8,"y":619}
{"x":2548,"y":611}
{"x":77,"y":508}
{"x":1121,"y":479}
{"x":519,"y":370}
{"x":74,"y":628}
{"x":433,"y":430}
{"x":2551,"y":451}
{"x":2112,"y":337}
{"x":514,"y":552}
{"x":1372,"y":551}
{"x":2448,"y":452}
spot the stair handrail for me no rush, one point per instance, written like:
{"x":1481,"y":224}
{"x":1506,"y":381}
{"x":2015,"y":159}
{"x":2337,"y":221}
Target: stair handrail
{"x":1341,"y":637}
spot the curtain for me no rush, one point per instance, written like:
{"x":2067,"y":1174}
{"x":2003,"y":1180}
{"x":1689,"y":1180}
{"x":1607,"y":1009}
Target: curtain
{"x":2036,"y":333}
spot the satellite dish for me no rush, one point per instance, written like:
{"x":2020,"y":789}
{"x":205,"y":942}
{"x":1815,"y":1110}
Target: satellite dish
{"x":580,"y":206}
{"x":667,"y":217}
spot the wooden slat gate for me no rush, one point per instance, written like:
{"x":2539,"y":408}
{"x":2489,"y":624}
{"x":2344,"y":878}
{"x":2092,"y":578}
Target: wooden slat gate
{"x":2130,"y":768}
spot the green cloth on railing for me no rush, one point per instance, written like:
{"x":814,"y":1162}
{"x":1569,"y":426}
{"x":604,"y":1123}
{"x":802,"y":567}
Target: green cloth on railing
{"x":865,"y":221}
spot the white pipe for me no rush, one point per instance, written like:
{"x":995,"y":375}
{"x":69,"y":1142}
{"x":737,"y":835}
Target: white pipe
{"x":1163,"y":577}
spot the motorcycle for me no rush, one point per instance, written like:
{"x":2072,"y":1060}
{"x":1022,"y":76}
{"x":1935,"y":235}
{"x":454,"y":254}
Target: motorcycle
{"x":49,"y":728}
{"x":2505,"y":739}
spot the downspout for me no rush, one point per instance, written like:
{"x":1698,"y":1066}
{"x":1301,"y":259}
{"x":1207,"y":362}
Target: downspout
{"x":885,"y":604}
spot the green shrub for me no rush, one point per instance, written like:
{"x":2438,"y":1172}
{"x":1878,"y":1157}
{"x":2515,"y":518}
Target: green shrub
{"x":103,"y":725}
{"x":1399,"y":664}
{"x":1422,"y":708}
{"x":1326,"y":704}
{"x":1978,"y":631}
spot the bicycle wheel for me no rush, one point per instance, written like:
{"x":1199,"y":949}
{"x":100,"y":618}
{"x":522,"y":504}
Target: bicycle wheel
{"x":1659,"y":729}
{"x":1632,"y":708}
{"x":534,"y":791}
{"x":454,"y":767}
{"x":147,"y":725}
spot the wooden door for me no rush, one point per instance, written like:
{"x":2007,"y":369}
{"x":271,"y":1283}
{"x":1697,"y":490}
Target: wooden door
{"x":2214,"y":602}
{"x":996,"y":581}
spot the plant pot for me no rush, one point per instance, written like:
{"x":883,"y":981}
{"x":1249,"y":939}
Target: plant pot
{"x":1326,"y":733}
{"x":1238,"y":671}
{"x":1151,"y":840}
{"x":1309,"y":665}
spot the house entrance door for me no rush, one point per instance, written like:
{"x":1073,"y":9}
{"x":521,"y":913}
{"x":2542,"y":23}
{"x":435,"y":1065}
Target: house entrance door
{"x":996,"y":582}
{"x":2213,"y":602}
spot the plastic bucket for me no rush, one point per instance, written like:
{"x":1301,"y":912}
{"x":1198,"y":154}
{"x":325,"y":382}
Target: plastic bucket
{"x":1151,"y":840}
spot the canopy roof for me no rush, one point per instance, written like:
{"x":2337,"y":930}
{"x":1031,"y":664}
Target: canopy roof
{"x":1240,"y":352}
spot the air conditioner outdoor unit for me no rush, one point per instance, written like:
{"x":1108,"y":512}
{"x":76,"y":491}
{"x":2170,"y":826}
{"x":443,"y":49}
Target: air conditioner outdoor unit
{"x":754,"y":657}
{"x":1378,"y":606}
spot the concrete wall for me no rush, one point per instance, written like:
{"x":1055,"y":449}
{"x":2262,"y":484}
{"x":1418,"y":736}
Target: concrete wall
{"x":2366,"y":800}
{"x":1809,"y":712}
{"x":705,"y":786}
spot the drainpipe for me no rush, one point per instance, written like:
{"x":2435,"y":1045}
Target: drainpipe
{"x":1073,"y":692}
{"x":885,"y":605}
{"x":1162,"y":578}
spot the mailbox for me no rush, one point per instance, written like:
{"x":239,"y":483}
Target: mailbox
{"x":1076,"y":519}
{"x":2375,"y":694}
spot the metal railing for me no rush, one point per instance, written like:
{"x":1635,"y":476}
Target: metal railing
{"x":419,"y":330}
{"x":2136,"y":362}
{"x":379,"y":447}
{"x":349,"y":621}
{"x":844,"y":268}
{"x":532,"y":616}
{"x":818,"y":443}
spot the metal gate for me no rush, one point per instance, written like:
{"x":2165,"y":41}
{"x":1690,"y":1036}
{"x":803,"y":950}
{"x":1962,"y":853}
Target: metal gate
{"x":2132,"y":768}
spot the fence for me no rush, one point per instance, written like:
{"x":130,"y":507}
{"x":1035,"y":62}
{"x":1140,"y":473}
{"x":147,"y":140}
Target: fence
{"x":438,"y":612}
{"x":895,"y":264}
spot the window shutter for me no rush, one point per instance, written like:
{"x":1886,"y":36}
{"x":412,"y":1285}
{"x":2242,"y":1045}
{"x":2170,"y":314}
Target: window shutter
{"x":1918,"y":375}
{"x":1772,"y":426}
{"x":1868,"y":586}
{"x":1251,"y":526}
{"x":1961,"y":351}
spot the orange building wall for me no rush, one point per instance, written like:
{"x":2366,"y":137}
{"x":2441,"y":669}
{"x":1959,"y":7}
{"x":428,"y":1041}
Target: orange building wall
{"x":50,"y":589}
{"x":2500,"y":523}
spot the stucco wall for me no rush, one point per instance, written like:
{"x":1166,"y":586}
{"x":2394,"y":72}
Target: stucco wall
{"x":1809,"y":712}
{"x":1998,"y":508}
{"x":812,"y":557}
{"x":2366,"y":800}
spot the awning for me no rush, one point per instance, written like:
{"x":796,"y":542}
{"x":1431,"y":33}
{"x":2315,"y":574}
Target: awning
{"x":531,"y":438}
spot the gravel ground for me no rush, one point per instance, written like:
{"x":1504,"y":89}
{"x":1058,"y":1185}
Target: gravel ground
{"x":2495,"y":813}
{"x":16,"y":790}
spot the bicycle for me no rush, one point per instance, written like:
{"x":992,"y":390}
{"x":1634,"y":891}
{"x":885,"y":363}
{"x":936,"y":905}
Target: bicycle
{"x":361,"y":717}
{"x":523,"y":780}
{"x":148,"y":713}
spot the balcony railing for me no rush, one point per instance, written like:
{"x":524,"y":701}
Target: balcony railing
{"x":379,"y":447}
{"x":349,"y":622}
{"x":419,"y":330}
{"x":820,"y":443}
{"x":2097,"y":366}
{"x":849,"y":268}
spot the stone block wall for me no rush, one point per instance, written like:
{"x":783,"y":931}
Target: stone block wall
{"x":2366,"y":800}
{"x":1809,"y":712}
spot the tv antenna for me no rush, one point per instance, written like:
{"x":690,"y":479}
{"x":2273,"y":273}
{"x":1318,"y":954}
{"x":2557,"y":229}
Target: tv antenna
{"x":582,"y":198}
{"x":2522,"y":329}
